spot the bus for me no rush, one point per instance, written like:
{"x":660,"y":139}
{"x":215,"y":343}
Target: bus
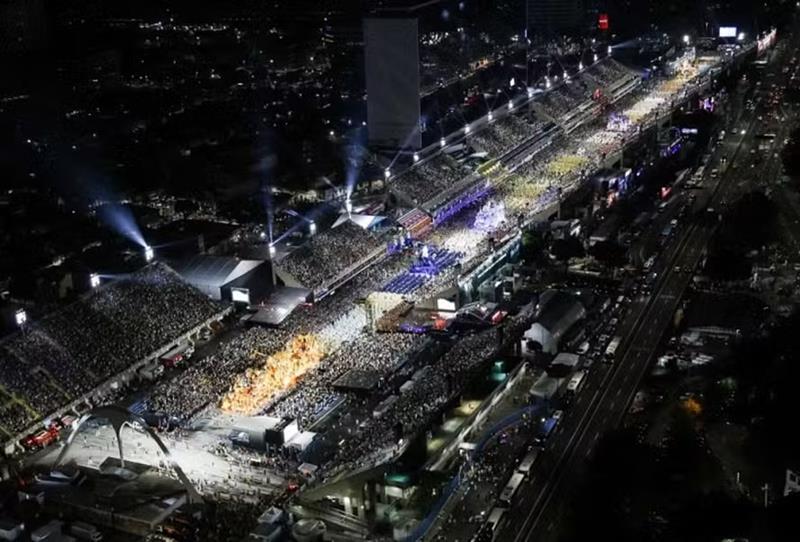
{"x":611,"y":349}
{"x":528,"y":461}
{"x":496,"y":520}
{"x":507,"y":495}
{"x":576,"y":382}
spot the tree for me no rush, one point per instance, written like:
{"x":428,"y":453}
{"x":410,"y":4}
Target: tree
{"x":533,"y":244}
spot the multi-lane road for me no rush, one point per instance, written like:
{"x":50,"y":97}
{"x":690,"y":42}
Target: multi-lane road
{"x":602,"y":404}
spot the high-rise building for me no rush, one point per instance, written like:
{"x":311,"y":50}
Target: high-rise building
{"x":391,"y":55}
{"x":548,"y":18}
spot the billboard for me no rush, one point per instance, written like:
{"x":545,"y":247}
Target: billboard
{"x":240,"y":295}
{"x":728,"y":32}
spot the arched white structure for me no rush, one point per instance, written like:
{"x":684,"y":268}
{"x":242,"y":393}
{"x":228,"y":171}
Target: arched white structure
{"x":118,"y":418}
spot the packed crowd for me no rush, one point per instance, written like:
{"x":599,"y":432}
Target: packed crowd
{"x":376,"y":355}
{"x":347,"y":327}
{"x":336,"y":320}
{"x":275,"y":375}
{"x":330,"y":253}
{"x":608,"y":71}
{"x":427,"y":179}
{"x":67,"y":354}
{"x":564,"y":99}
{"x":503,"y":134}
{"x":414,"y":409}
{"x":206,"y":379}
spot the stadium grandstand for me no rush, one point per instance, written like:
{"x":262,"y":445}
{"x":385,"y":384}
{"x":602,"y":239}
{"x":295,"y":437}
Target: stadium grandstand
{"x":75,"y":354}
{"x":327,"y":257}
{"x":426,"y":179}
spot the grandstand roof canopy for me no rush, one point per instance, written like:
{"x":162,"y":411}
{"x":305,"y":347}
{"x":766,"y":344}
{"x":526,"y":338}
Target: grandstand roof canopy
{"x":364,"y":221}
{"x":215,"y":270}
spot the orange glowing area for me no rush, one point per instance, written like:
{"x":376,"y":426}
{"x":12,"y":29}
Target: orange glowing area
{"x":279,"y":372}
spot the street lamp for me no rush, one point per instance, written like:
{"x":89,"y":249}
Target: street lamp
{"x":387,"y":173}
{"x":94,"y":280}
{"x":416,"y":157}
{"x":149,"y":254}
{"x":686,"y":39}
{"x":272,"y":250}
{"x":466,"y":128}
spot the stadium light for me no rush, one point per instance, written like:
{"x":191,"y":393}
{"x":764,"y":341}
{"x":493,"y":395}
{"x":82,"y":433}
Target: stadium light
{"x":442,"y":142}
{"x":416,"y":157}
{"x":94,"y":280}
{"x":387,"y":173}
{"x":20,"y":317}
{"x":312,"y":227}
{"x":272,"y":249}
{"x":149,"y":254}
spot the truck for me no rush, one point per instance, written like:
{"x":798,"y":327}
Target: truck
{"x":576,"y":382}
{"x":85,"y":531}
{"x":50,"y":531}
{"x":151,"y":371}
{"x":611,"y":349}
{"x":177,"y":354}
